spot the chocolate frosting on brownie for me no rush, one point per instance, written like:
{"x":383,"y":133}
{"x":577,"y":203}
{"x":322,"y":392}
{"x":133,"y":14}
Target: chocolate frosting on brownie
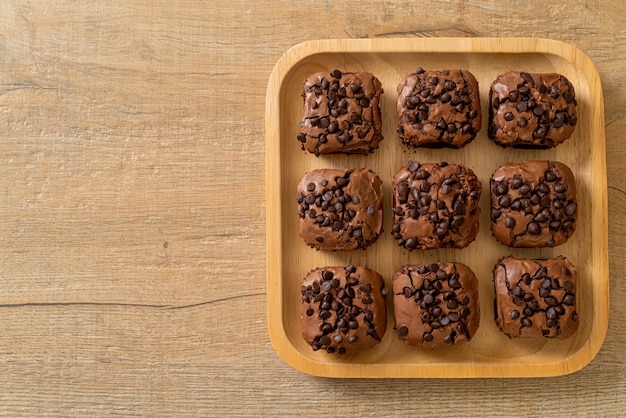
{"x":535,"y":298}
{"x":531,"y":110}
{"x":438,"y":108}
{"x":341,"y":113}
{"x":533,"y":204}
{"x":340,"y":209}
{"x":436,"y":304}
{"x":435,"y":206}
{"x":343,"y":309}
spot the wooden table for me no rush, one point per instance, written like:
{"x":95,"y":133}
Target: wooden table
{"x":132,"y":211}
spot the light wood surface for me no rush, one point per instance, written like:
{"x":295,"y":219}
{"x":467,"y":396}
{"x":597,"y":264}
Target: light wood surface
{"x":490,"y":353}
{"x":132,"y":208}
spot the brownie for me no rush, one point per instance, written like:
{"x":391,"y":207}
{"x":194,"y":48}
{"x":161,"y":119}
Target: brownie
{"x":340,"y":209}
{"x":531,"y":110}
{"x":436,"y":304}
{"x":343,"y":309}
{"x":435,"y":206}
{"x":341,"y":113}
{"x":535,"y":298}
{"x":438,"y":108}
{"x":533,"y":204}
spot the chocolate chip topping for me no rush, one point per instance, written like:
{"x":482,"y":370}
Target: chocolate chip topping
{"x":531,"y":110}
{"x":535,"y":298}
{"x":436,"y":305}
{"x":343,"y":309}
{"x":340,"y":209}
{"x":533,"y":204}
{"x":438,"y":108}
{"x":435,"y":206}
{"x":341,"y":113}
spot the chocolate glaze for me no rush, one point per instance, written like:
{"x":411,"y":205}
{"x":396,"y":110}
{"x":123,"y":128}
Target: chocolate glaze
{"x":360,"y":193}
{"x":415,"y":318}
{"x":350,"y":108}
{"x":522,"y":311}
{"x":414,"y":220}
{"x":556,"y":225}
{"x":448,"y":120}
{"x":346,"y":327}
{"x":545,"y":102}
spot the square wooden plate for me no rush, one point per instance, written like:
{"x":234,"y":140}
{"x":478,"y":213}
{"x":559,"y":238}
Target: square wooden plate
{"x":490,"y":353}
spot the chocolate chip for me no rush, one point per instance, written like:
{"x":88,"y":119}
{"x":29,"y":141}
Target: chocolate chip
{"x":522,"y":106}
{"x":522,"y":122}
{"x":514,"y":314}
{"x":509,"y":116}
{"x":527,"y":322}
{"x":403,"y":331}
{"x":534,"y":228}
{"x":336,"y":74}
{"x":449,"y":85}
{"x":422,"y":174}
{"x":569,"y":299}
{"x":454,"y":283}
{"x":504,"y":201}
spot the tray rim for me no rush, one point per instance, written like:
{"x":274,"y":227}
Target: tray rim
{"x":599,"y":207}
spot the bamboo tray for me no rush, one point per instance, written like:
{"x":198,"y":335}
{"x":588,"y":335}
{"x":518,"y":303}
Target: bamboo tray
{"x":490,"y":353}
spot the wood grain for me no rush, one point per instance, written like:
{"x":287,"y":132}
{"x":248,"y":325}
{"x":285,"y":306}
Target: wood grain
{"x":128,"y":125}
{"x":490,"y":353}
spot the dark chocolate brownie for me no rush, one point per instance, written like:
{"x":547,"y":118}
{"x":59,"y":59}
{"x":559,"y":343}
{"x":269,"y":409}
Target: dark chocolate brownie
{"x":341,"y":113}
{"x":533,"y":204}
{"x":438,"y":108}
{"x":436,"y":304}
{"x":343,"y":309}
{"x":340,"y":209}
{"x":531,"y":110}
{"x":435,"y":206}
{"x":535,"y":298}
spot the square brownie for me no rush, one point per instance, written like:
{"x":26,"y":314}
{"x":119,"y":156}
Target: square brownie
{"x":436,"y":304}
{"x":535,"y":298}
{"x":438,"y":108}
{"x":531,"y":110}
{"x":340,"y":209}
{"x":343,"y":309}
{"x":533,"y":204}
{"x":341,"y":113}
{"x":435,"y":206}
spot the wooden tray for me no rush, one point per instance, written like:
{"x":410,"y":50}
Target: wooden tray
{"x":490,"y":353}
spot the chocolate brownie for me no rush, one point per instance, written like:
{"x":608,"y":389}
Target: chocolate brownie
{"x":340,"y":209}
{"x":533,"y":204}
{"x":531,"y":110}
{"x":535,"y":298}
{"x":436,"y":304}
{"x":438,"y":108}
{"x":341,"y":113}
{"x":435,"y":206}
{"x":343,"y":309}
